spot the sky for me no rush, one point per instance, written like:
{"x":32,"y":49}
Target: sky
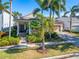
{"x":27,"y":6}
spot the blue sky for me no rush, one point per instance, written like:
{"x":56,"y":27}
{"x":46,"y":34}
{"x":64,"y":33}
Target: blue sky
{"x":27,"y":6}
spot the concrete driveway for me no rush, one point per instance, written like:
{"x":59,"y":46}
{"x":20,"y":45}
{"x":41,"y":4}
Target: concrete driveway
{"x":69,"y":37}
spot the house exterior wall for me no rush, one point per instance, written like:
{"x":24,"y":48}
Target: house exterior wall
{"x":6,"y":17}
{"x":66,"y":21}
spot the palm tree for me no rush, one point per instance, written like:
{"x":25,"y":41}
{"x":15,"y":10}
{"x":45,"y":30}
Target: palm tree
{"x":10,"y":18}
{"x":42,"y":5}
{"x":65,"y":13}
{"x":3,"y":6}
{"x":17,"y":14}
{"x":43,"y":23}
{"x":55,"y":6}
{"x":59,"y":5}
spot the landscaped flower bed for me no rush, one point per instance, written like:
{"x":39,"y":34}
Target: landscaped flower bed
{"x":2,"y":34}
{"x":6,"y":41}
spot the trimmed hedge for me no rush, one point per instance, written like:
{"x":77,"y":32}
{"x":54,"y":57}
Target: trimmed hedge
{"x":5,"y":41}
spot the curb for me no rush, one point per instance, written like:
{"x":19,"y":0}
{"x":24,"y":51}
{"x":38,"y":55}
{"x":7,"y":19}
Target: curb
{"x":62,"y":56}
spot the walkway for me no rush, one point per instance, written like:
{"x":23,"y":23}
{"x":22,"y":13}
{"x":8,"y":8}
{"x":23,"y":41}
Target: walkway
{"x":22,"y":39}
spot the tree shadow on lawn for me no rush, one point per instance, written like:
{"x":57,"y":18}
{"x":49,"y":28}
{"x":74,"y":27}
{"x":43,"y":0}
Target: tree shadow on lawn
{"x":62,"y":47}
{"x":16,"y":49}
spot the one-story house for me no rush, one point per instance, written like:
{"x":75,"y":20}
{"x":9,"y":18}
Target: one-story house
{"x":22,"y":21}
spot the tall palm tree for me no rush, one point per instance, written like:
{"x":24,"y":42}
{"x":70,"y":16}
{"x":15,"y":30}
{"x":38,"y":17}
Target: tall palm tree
{"x":55,"y":6}
{"x":42,"y":5}
{"x":10,"y":18}
{"x":3,"y":6}
{"x":59,"y":5}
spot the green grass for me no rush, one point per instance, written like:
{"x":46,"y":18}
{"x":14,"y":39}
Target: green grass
{"x":33,"y":54}
{"x":75,"y":34}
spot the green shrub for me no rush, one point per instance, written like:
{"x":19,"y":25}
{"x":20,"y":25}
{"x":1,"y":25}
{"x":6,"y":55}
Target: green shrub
{"x":54,"y":37}
{"x":5,"y":41}
{"x":47,"y":36}
{"x":33,"y":38}
{"x":14,"y":32}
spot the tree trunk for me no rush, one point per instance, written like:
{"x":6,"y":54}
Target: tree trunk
{"x":2,"y":22}
{"x":10,"y":18}
{"x":43,"y":39}
{"x":53,"y":14}
{"x":50,"y":23}
{"x":59,"y":9}
{"x":70,"y":23}
{"x":29,"y":27}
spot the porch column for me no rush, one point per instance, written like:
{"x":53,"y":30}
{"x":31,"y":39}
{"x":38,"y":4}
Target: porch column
{"x":17,"y":28}
{"x":25,"y":27}
{"x":29,"y":28}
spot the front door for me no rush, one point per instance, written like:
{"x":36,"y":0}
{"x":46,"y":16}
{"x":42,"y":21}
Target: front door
{"x":22,"y":28}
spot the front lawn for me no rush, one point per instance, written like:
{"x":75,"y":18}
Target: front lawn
{"x":75,"y":34}
{"x":33,"y":54}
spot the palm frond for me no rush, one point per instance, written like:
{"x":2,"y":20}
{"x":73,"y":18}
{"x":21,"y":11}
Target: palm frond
{"x":66,"y":13}
{"x":6,"y":3}
{"x":6,"y":7}
{"x":36,"y":11}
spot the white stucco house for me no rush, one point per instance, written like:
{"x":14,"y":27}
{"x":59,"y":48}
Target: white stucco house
{"x":66,"y":23}
{"x":4,"y":21}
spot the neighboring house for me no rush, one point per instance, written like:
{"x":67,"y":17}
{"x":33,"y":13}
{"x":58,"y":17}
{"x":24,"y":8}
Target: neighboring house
{"x":58,"y":26}
{"x":66,"y":23}
{"x":6,"y":18}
